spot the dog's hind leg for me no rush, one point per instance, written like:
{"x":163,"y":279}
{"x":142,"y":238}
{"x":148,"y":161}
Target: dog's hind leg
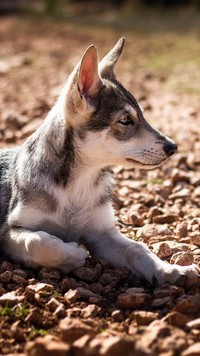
{"x":41,"y":248}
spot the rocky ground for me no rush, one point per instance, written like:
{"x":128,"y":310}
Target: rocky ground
{"x":99,"y":310}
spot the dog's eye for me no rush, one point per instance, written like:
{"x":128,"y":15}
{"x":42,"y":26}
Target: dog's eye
{"x":126,"y":121}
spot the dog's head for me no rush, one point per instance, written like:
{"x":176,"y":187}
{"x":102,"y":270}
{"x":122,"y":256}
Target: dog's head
{"x":108,"y":122}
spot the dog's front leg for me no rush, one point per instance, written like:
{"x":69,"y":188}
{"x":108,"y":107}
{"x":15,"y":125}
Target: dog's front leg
{"x":41,"y":248}
{"x":122,"y":251}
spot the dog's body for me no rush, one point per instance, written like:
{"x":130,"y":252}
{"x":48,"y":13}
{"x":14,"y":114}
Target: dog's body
{"x":56,"y":187}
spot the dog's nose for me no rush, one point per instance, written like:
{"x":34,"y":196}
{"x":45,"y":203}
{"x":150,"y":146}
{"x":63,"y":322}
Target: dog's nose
{"x":170,"y":148}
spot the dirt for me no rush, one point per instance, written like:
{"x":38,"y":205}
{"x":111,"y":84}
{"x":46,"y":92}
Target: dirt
{"x":96,"y":309}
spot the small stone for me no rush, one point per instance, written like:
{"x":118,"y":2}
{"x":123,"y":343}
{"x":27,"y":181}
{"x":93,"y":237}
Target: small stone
{"x":162,"y":249}
{"x":195,"y":238}
{"x":136,"y":219}
{"x":16,"y":278}
{"x":47,"y":345}
{"x":184,"y":193}
{"x":161,"y":302}
{"x":144,"y":317}
{"x":182,"y":230}
{"x":189,"y":305}
{"x":153,"y":230}
{"x":176,"y":319}
{"x":72,"y":295}
{"x":87,"y":274}
{"x":90,"y":311}
{"x":41,"y":287}
{"x":165,"y":218}
{"x":118,"y":315}
{"x":48,"y":274}
{"x":194,"y":324}
{"x":95,"y":300}
{"x":11,"y":299}
{"x":196,"y":192}
{"x":116,"y":345}
{"x":81,"y":345}
{"x":53,"y":304}
{"x":2,"y":290}
{"x":168,"y":290}
{"x":68,"y":283}
{"x":133,"y":299}
{"x":106,"y":279}
{"x":72,"y":329}
{"x":5,"y":277}
{"x":34,"y":317}
{"x":5,"y":266}
{"x":86,"y":293}
{"x":182,"y":258}
{"x":147,"y":231}
{"x":179,"y":175}
{"x":60,"y":311}
{"x":154,"y":211}
{"x":192,"y":350}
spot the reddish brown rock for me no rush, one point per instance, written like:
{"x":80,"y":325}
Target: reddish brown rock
{"x":11,"y":299}
{"x":165,"y":218}
{"x":72,"y":329}
{"x":47,"y":346}
{"x":144,"y":317}
{"x":193,"y":350}
{"x":133,"y":298}
{"x":176,"y":319}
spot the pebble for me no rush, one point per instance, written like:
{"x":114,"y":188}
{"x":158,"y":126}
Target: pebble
{"x":162,"y":249}
{"x":133,"y":299}
{"x":72,"y":295}
{"x":194,"y":324}
{"x":182,"y":258}
{"x":176,"y":319}
{"x":193,"y":350}
{"x":72,"y":329}
{"x":53,"y":304}
{"x":87,"y":274}
{"x":48,"y":345}
{"x":195,"y":238}
{"x":5,"y":277}
{"x":117,"y":315}
{"x":165,"y":218}
{"x":11,"y":299}
{"x":161,"y":302}
{"x":90,"y":311}
{"x":144,"y":317}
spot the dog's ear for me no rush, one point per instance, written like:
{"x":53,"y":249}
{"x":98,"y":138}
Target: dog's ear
{"x":107,"y":64}
{"x":82,"y":88}
{"x":89,"y":81}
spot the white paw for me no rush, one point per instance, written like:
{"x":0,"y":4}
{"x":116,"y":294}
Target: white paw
{"x":49,"y":251}
{"x":187,"y":275}
{"x":75,"y":257}
{"x":143,"y":263}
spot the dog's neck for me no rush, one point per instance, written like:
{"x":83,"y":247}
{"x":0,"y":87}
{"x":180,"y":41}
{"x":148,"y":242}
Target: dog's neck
{"x":58,"y":147}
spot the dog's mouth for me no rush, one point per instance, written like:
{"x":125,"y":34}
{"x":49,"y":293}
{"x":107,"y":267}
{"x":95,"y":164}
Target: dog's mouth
{"x":142,"y":165}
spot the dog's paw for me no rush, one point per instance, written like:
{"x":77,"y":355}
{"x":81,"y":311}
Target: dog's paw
{"x":145,"y":264}
{"x":75,"y":256}
{"x":187,"y":276}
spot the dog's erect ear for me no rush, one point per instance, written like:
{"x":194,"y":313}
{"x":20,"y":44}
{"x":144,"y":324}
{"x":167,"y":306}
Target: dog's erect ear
{"x":89,"y":81}
{"x":107,"y":64}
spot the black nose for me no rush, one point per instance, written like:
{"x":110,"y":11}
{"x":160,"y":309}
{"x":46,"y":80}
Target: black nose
{"x":170,"y":148}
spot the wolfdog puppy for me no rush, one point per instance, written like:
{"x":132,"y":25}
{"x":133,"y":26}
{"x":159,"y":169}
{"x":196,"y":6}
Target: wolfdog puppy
{"x":55,"y":189}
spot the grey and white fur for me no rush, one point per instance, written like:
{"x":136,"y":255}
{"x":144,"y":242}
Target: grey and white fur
{"x":55,"y":188}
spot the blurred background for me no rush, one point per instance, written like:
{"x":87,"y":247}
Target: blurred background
{"x":42,"y":40}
